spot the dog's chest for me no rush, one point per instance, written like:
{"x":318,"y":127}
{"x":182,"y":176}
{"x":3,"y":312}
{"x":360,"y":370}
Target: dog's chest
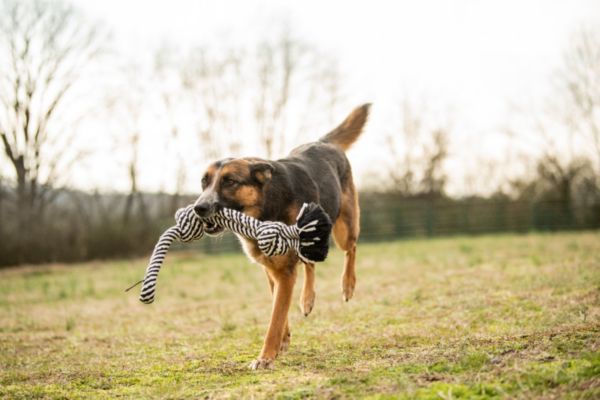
{"x":274,"y":263}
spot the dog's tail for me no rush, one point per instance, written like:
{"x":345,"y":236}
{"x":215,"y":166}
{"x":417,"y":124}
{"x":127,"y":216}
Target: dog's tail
{"x":349,"y":130}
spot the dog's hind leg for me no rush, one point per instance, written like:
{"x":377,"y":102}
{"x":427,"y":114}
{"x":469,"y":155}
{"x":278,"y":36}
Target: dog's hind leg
{"x":307,"y":298}
{"x":345,"y":234}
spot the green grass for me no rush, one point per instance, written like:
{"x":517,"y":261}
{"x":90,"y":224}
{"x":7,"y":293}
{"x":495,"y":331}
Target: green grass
{"x":487,"y":317}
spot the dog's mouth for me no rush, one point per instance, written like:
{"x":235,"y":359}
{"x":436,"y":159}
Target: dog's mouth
{"x":213,"y":229}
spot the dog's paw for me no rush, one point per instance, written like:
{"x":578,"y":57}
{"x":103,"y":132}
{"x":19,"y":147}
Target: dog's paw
{"x":285,"y":343}
{"x":348,"y":283}
{"x":307,"y":302}
{"x":262,"y":363}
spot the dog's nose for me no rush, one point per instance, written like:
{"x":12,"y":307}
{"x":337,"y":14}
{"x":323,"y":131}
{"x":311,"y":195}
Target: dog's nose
{"x":202,"y":209}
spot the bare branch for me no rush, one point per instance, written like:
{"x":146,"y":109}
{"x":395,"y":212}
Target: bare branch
{"x":46,"y":45}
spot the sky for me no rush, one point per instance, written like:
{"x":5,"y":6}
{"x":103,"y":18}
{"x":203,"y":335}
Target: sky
{"x":469,"y":62}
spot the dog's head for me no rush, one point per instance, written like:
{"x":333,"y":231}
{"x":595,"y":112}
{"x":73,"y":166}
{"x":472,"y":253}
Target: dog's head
{"x":234,"y":183}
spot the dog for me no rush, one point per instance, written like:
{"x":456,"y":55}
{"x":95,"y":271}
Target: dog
{"x":275,"y":191}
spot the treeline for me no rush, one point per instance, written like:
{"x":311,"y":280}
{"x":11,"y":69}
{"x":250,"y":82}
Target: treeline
{"x":558,"y":196}
{"x":80,"y":226}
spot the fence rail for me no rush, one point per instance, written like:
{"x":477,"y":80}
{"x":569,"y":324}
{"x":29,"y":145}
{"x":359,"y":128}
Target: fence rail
{"x":389,"y":218}
{"x":73,"y":233}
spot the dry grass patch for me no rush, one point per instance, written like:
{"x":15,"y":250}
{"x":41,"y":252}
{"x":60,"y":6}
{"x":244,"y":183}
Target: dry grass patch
{"x":508,"y":316}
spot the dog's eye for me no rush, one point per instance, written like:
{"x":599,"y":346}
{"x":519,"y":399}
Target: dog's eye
{"x":228,"y":182}
{"x":204,"y":181}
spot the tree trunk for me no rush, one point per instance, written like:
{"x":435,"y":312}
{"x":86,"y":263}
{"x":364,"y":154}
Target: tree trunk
{"x":24,"y":210}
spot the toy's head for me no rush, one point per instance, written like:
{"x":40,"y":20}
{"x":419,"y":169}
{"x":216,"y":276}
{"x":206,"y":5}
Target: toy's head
{"x":233,"y":183}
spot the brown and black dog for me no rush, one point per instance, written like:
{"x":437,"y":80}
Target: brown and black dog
{"x":275,"y":190}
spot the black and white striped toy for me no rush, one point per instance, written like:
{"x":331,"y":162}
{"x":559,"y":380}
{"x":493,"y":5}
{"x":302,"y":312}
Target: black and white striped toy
{"x":308,"y":237}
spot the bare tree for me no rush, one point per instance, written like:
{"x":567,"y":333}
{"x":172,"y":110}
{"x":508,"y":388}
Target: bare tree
{"x":43,"y":45}
{"x":171,"y":99}
{"x":215,"y":86}
{"x":560,"y":176}
{"x":126,"y":110}
{"x":281,"y":80}
{"x":402,"y":170}
{"x":330,"y":78}
{"x":295,"y":84}
{"x":277,"y":63}
{"x":580,"y":81}
{"x":434,"y":155}
{"x":566,"y":173}
{"x":417,"y":155}
{"x":563,"y":172}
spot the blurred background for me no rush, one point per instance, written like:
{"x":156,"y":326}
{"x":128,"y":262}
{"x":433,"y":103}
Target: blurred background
{"x":485,"y":118}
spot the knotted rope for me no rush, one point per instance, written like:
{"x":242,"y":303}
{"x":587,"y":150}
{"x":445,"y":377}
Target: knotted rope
{"x":308,"y":237}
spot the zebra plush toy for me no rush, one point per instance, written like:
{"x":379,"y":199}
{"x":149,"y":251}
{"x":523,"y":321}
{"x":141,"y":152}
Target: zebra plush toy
{"x":308,"y":237}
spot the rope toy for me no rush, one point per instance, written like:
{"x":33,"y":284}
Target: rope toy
{"x":308,"y":237}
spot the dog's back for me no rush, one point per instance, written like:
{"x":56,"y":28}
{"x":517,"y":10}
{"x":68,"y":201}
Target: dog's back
{"x":320,"y":171}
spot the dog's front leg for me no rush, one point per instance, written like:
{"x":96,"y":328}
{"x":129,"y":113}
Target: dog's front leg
{"x":284,"y":280}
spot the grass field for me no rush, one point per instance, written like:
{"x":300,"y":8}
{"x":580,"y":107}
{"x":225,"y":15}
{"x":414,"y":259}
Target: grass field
{"x":485,"y":317}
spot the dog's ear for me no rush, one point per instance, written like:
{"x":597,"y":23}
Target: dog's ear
{"x":261,"y":171}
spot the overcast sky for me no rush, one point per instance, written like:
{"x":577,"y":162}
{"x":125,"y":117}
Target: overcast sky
{"x":468,"y":60}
